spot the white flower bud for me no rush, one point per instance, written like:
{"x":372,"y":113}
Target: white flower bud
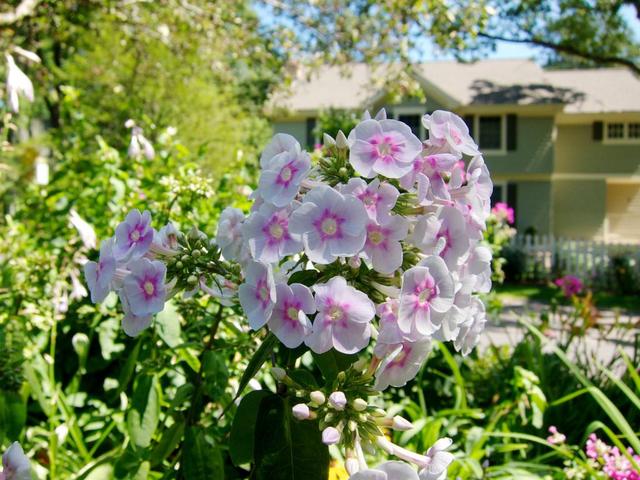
{"x":301,"y":411}
{"x":402,"y":424}
{"x":341,"y":140}
{"x":338,"y":400}
{"x":360,"y":405}
{"x":328,"y":140}
{"x":330,"y":436}
{"x":317,"y":397}
{"x":278,"y":373}
{"x":354,"y":262}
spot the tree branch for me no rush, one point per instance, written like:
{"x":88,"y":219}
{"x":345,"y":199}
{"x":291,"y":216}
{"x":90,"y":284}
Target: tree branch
{"x":25,"y":9}
{"x":568,"y":49}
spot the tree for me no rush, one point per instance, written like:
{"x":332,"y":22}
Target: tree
{"x":592,"y":31}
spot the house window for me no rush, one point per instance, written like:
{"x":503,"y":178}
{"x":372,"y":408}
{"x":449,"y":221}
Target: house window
{"x":490,"y":132}
{"x":622,"y":132}
{"x":499,"y":193}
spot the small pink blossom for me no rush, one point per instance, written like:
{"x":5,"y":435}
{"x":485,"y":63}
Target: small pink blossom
{"x":267,"y":234}
{"x":15,"y":464}
{"x":386,"y":147}
{"x":289,"y":321}
{"x":343,"y":318}
{"x":470,"y":330}
{"x":330,"y":436}
{"x":389,"y":331}
{"x":570,"y":285}
{"x":99,"y":275}
{"x":387,"y":471}
{"x":556,"y":437}
{"x":134,"y":236}
{"x":229,"y":236}
{"x":449,"y":128}
{"x":257,"y":294}
{"x":439,"y":460}
{"x":330,"y":224}
{"x":427,"y":294}
{"x":378,"y":198}
{"x":144,"y":288}
{"x":281,"y":177}
{"x":429,"y":169}
{"x":401,"y":363}
{"x":503,"y":212}
{"x":383,"y":243}
{"x":281,"y":142}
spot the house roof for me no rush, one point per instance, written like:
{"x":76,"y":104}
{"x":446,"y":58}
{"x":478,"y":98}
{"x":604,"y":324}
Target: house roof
{"x":485,"y":82}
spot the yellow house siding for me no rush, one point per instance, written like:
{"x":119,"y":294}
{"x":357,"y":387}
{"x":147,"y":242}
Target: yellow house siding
{"x":579,"y":208}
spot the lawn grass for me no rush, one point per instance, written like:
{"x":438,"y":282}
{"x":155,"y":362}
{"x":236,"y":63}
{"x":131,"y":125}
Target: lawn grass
{"x":544,"y":293}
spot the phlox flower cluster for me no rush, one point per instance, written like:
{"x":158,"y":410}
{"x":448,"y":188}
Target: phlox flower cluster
{"x":503,"y":212}
{"x":381,"y":238}
{"x":613,"y":463}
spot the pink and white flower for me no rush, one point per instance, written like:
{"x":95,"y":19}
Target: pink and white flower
{"x":343,"y":318}
{"x":386,"y":147}
{"x":267,"y":234}
{"x":439,"y":460}
{"x":289,"y":321}
{"x":378,"y":198}
{"x":132,"y":324}
{"x":428,"y":169}
{"x":387,"y":471}
{"x":229,"y":235}
{"x":280,"y":142}
{"x":471,"y":329}
{"x":401,"y":363}
{"x":100,"y":274}
{"x":443,"y":234}
{"x":389,"y":331}
{"x":144,"y":288}
{"x":330,"y":224}
{"x":427,"y":294}
{"x":383,"y":243}
{"x":449,"y":128}
{"x":281,"y":177}
{"x":15,"y":464}
{"x":257,"y":294}
{"x":134,"y":236}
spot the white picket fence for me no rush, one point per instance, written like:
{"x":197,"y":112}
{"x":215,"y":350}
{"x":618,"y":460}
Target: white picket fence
{"x":547,"y":256}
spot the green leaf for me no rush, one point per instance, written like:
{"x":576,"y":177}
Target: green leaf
{"x":128,"y":368}
{"x":304,"y":378}
{"x":333,"y":362}
{"x":168,"y":325}
{"x":285,"y":448}
{"x":242,"y":436}
{"x":305,"y":277}
{"x":215,"y":373}
{"x":142,"y":419}
{"x":201,"y":460}
{"x":168,"y":443}
{"x":13,"y":415}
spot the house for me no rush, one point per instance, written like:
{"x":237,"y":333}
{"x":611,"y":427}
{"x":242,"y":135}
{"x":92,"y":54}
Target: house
{"x":563,"y":146}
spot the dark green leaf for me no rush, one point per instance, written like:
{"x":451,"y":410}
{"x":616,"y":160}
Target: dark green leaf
{"x":333,"y":362}
{"x":285,"y":448}
{"x":304,"y":378}
{"x":243,"y":428}
{"x":142,"y":419}
{"x":13,"y":415}
{"x":215,"y":373}
{"x":168,"y":443}
{"x":305,"y":277}
{"x":201,"y":460}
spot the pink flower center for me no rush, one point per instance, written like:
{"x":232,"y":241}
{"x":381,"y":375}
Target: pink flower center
{"x":276,"y":231}
{"x":262,"y":292}
{"x":385,"y":147}
{"x":292,"y":313}
{"x":425,"y":291}
{"x":376,"y":235}
{"x":286,"y":174}
{"x":135,"y":236}
{"x":335,"y":313}
{"x":149,"y":287}
{"x":328,"y":225}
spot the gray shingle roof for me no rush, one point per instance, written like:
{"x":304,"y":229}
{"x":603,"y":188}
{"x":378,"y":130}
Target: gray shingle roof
{"x":509,"y":82}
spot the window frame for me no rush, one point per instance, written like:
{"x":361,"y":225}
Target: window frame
{"x":625,"y":140}
{"x":412,"y":110}
{"x":503,"y":192}
{"x":503,"y":134}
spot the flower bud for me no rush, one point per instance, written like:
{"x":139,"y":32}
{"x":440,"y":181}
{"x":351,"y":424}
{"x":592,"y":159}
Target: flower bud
{"x":179,"y":265}
{"x":378,"y":412}
{"x":354,"y":262}
{"x":192,"y":280}
{"x":361,"y":364}
{"x":353,"y":426}
{"x":301,"y":411}
{"x":194,"y":233}
{"x":196,"y":253}
{"x":317,"y":397}
{"x":328,"y":140}
{"x":278,"y":373}
{"x":341,"y":140}
{"x":400,"y":423}
{"x":341,"y":376}
{"x":330,"y":436}
{"x":360,"y":405}
{"x":338,"y":400}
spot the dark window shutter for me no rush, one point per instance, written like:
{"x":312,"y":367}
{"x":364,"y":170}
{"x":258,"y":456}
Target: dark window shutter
{"x":512,"y":131}
{"x":468,"y":119}
{"x":311,"y":126}
{"x":512,"y":199}
{"x":598,"y":130}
